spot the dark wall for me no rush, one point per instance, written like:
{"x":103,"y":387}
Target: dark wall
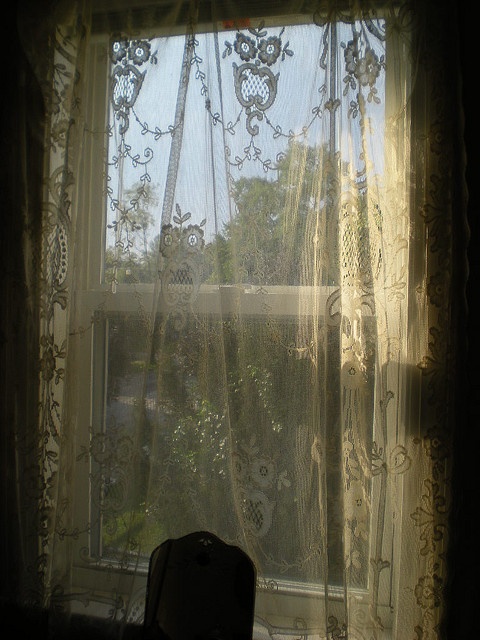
{"x":465,"y":557}
{"x":21,"y":115}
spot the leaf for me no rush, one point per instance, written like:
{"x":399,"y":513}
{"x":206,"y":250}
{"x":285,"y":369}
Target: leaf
{"x":283,"y":481}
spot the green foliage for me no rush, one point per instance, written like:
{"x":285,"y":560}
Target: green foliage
{"x":132,"y":529}
{"x":269,"y":239}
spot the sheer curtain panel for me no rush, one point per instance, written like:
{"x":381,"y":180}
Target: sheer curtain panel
{"x":245,"y":277}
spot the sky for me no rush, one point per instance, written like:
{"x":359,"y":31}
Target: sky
{"x":295,"y":80}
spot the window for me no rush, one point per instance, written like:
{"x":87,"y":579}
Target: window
{"x":244,"y":286}
{"x":231,"y":363}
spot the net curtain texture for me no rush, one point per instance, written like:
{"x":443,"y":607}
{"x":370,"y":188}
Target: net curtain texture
{"x":244,"y":267}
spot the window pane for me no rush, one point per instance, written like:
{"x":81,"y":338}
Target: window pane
{"x":216,"y":129}
{"x":180,"y":478}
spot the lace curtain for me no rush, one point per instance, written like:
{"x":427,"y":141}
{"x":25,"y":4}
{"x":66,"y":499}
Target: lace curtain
{"x":246,"y":298}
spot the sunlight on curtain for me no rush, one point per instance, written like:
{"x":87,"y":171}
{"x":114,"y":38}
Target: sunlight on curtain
{"x":245,"y":303}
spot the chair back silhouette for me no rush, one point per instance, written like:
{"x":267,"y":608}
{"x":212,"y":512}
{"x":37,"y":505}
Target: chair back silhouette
{"x":199,"y":588}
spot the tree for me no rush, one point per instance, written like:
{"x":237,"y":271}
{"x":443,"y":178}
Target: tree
{"x":276,"y":222}
{"x":130,"y":258}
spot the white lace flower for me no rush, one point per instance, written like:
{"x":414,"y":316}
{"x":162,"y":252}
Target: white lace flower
{"x":263,"y":472}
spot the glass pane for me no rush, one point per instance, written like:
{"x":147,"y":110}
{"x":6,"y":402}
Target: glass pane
{"x":223,"y":398}
{"x":217,"y":129}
